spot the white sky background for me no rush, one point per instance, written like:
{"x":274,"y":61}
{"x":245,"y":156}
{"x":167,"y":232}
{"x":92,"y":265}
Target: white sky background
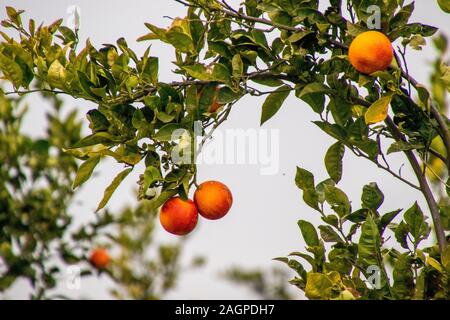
{"x":263,"y":221}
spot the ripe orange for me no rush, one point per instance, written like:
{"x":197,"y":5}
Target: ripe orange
{"x":178,"y":217}
{"x":213,"y":199}
{"x":370,"y":51}
{"x":100,"y":258}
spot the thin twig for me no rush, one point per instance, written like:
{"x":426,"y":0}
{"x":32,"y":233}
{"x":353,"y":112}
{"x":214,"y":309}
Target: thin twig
{"x":216,"y":125}
{"x":22,"y":92}
{"x":405,"y":64}
{"x":385,"y":168}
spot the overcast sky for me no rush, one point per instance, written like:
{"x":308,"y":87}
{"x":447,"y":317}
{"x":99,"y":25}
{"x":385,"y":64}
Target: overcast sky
{"x":263,"y":221}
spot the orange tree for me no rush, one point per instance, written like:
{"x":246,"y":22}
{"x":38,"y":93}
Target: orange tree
{"x":223,"y":53}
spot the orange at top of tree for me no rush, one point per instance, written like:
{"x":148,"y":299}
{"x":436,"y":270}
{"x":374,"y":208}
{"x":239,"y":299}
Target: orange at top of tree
{"x":100,"y":258}
{"x":213,"y":199}
{"x":370,"y":51}
{"x":178,"y":216}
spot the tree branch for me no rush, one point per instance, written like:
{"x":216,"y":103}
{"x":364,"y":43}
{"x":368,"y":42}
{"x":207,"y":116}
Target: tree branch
{"x":445,"y":133}
{"x":424,"y":186}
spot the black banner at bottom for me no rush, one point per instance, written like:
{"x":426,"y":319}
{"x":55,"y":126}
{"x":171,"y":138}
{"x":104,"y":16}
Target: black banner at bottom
{"x":215,"y":309}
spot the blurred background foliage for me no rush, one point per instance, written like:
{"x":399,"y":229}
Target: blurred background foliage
{"x":38,"y":240}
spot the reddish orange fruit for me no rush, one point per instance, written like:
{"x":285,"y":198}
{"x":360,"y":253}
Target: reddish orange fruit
{"x":100,"y":258}
{"x":213,"y":199}
{"x":178,"y":217}
{"x":370,"y":51}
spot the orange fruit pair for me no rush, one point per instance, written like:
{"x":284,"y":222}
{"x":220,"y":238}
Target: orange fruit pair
{"x":212,"y":200}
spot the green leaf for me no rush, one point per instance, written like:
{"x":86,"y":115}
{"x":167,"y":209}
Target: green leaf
{"x":86,"y":84}
{"x":308,"y":258}
{"x":85,"y":171}
{"x":181,"y":41}
{"x":341,"y":259}
{"x":329,"y":235}
{"x":332,"y":129}
{"x":369,"y":244}
{"x":151,"y":175}
{"x":163,"y":197}
{"x":435,"y":264}
{"x":93,"y":139}
{"x":68,"y":34}
{"x":157,"y":33}
{"x":317,"y":286}
{"x":199,"y":72}
{"x":320,"y":286}
{"x":338,"y":200}
{"x":386,"y":219}
{"x":226,"y":95}
{"x":372,"y":197}
{"x":315,"y":87}
{"x":221,"y":73}
{"x":150,"y":71}
{"x":11,"y":70}
{"x":320,"y":189}
{"x":401,"y":234}
{"x":354,"y":29}
{"x":415,"y":219}
{"x":297,"y":36}
{"x":192,"y":98}
{"x":333,"y":161}
{"x":400,"y":146}
{"x":57,"y":75}
{"x":112,"y":187}
{"x":311,"y":198}
{"x":304,"y":179}
{"x":238,"y":66}
{"x":419,"y":292}
{"x":14,"y":15}
{"x":138,"y":120}
{"x":412,"y":28}
{"x":314,"y":95}
{"x":341,"y":110}
{"x":416,"y":42}
{"x":378,"y":111}
{"x":331,"y":219}
{"x":274,"y":102}
{"x":297,"y":267}
{"x":197,"y":30}
{"x":445,"y":258}
{"x":403,"y":287}
{"x":97,"y":121}
{"x":267,"y":81}
{"x":165,"y":133}
{"x":402,"y":17}
{"x":309,"y":233}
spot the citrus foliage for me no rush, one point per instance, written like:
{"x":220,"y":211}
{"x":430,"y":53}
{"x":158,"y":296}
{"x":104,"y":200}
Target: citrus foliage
{"x":286,"y":47}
